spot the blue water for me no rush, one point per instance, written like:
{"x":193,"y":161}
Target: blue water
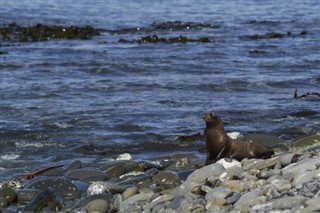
{"x":93,"y":99}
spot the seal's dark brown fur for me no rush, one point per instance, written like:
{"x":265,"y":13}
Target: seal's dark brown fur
{"x":220,"y":145}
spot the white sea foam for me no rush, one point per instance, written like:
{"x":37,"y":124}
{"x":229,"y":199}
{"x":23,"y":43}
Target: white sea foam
{"x":37,"y":145}
{"x":9,"y":157}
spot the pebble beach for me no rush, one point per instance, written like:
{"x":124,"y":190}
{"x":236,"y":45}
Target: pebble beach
{"x":287,"y":182}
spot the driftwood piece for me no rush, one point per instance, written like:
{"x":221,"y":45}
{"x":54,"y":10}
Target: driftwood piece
{"x":33,"y":174}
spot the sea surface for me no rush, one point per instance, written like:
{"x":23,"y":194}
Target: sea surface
{"x":69,"y":99}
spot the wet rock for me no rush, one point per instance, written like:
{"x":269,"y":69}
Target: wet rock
{"x":305,"y":143}
{"x":115,"y":171}
{"x":26,"y":195}
{"x":78,"y":174}
{"x":100,"y":187}
{"x":74,"y":165}
{"x":9,"y":194}
{"x":40,"y":32}
{"x":3,"y":202}
{"x":267,"y":140}
{"x":49,"y":198}
{"x":183,"y":175}
{"x":64,"y":186}
{"x":190,"y":137}
{"x":140,"y":166}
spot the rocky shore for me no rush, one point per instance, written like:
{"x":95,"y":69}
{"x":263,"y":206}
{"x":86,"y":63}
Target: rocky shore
{"x":287,"y":182}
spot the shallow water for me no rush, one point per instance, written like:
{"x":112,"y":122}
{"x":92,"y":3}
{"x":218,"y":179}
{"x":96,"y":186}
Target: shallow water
{"x":94,"y":99}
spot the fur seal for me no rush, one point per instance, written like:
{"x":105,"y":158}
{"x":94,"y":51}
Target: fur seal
{"x":220,"y":145}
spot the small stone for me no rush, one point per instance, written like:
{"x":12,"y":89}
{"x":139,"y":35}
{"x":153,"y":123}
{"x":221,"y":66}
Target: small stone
{"x":288,"y":202}
{"x":234,"y":198}
{"x":166,"y":179}
{"x":217,"y":202}
{"x":129,"y":192}
{"x":134,"y":203}
{"x":261,"y":164}
{"x":100,"y":201}
{"x":97,"y":205}
{"x":161,"y":199}
{"x":218,"y":192}
{"x":250,"y":198}
{"x":234,"y":185}
{"x":262,"y":207}
{"x":281,"y":185}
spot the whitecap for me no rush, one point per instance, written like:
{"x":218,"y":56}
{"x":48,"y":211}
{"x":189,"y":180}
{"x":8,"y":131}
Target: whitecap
{"x":10,"y":157}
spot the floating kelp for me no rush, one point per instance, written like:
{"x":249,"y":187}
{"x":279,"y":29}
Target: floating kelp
{"x":164,"y":26}
{"x":157,"y":39}
{"x":40,"y":32}
{"x":180,"y":25}
{"x":273,"y":35}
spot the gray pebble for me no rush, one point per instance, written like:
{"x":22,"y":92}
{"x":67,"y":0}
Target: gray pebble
{"x":218,"y":192}
{"x":288,"y":202}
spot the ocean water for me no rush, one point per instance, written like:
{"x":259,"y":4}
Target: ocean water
{"x":63,"y":100}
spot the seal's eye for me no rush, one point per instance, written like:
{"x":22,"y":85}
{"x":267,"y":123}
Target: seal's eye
{"x":213,"y":115}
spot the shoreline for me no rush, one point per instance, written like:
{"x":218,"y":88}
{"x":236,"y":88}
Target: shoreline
{"x":177,"y":183}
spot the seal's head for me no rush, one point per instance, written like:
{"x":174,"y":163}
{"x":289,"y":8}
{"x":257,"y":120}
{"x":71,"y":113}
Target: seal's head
{"x":211,"y":119}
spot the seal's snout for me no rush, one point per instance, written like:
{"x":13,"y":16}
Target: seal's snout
{"x":209,"y":117}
